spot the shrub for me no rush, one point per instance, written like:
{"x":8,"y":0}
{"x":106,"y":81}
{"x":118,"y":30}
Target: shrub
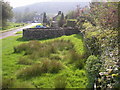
{"x":93,"y":65}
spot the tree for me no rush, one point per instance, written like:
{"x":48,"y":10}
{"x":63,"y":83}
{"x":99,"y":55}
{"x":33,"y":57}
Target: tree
{"x":6,"y":12}
{"x":106,"y":13}
{"x":44,"y":18}
{"x":61,"y":21}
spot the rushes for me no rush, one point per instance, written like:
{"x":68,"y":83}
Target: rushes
{"x":46,"y":66}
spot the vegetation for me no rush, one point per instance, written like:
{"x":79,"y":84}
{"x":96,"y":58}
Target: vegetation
{"x":19,"y":32}
{"x":37,"y":63}
{"x":25,"y":16}
{"x":99,"y":26}
{"x":10,"y":25}
{"x":93,"y":65}
{"x":6,"y":13}
{"x":65,"y":62}
{"x":61,"y":21}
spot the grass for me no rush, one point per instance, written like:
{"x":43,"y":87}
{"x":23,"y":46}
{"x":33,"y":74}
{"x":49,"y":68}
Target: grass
{"x":19,"y":32}
{"x":40,"y":70}
{"x":11,"y":25}
{"x":36,"y":25}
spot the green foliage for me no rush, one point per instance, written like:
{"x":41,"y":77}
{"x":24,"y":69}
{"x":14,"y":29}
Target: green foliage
{"x":106,"y":13}
{"x":72,"y":79}
{"x":93,"y":65}
{"x":6,"y":12}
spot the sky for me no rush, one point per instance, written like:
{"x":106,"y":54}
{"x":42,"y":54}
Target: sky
{"x":18,"y":3}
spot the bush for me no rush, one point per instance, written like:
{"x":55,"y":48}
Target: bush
{"x":93,"y":65}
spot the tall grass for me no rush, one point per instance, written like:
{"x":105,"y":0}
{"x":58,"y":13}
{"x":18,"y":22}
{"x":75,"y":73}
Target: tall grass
{"x":73,"y":57}
{"x":36,"y":50}
{"x":46,"y":66}
{"x":25,"y":61}
{"x":18,"y":68}
{"x":9,"y":83}
{"x":60,"y":82}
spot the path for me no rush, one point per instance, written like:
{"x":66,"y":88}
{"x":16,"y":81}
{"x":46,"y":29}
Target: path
{"x":11,"y":33}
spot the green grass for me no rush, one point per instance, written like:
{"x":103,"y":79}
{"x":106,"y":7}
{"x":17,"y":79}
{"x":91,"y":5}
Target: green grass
{"x":19,"y":32}
{"x":11,"y":25}
{"x":37,"y":24}
{"x":12,"y":65}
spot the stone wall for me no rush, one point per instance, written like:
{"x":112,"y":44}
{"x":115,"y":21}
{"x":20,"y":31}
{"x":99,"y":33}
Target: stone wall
{"x":37,"y":33}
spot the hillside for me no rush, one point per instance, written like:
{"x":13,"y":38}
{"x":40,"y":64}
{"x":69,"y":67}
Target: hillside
{"x":50,"y":7}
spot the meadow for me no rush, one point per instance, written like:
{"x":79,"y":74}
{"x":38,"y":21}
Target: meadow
{"x":48,"y":63}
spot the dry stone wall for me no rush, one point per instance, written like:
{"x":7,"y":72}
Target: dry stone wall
{"x":37,"y":33}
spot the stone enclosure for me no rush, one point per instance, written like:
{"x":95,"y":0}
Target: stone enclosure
{"x":43,"y":33}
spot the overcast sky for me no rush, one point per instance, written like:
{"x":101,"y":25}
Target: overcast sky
{"x":18,"y":3}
